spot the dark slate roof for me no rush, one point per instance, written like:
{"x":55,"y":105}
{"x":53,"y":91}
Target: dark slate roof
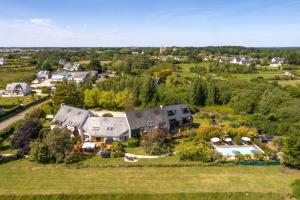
{"x":106,"y":126}
{"x":178,"y":111}
{"x":146,"y":118}
{"x":68,"y":115}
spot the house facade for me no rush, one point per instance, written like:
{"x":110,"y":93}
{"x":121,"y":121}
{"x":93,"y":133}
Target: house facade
{"x":70,"y":67}
{"x":71,"y":118}
{"x":277,"y":62}
{"x":59,"y":77}
{"x":141,"y":121}
{"x":178,"y":116}
{"x":17,"y":89}
{"x":43,"y":75}
{"x":104,"y":129}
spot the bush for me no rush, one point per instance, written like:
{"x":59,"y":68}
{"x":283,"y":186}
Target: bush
{"x":133,"y":142}
{"x":197,"y":152}
{"x":107,"y":115}
{"x":118,"y":150}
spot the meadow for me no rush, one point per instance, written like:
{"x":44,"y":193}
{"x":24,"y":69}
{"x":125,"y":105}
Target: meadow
{"x":25,"y":74}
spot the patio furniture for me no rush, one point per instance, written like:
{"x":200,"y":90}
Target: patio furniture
{"x":228,"y":141}
{"x":215,"y":140}
{"x":246,"y":140}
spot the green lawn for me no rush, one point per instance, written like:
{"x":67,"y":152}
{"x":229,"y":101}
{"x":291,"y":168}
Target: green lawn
{"x":24,"y":177}
{"x":10,"y":102}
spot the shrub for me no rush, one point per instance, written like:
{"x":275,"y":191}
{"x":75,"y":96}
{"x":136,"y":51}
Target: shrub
{"x":107,"y":115}
{"x":133,"y":142}
{"x":197,"y":152}
{"x":39,"y":152}
{"x":117,"y":150}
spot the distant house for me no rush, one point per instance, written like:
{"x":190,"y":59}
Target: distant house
{"x":102,"y":129}
{"x":17,"y":89}
{"x":42,"y":75}
{"x":178,"y":115}
{"x":241,"y":61}
{"x":277,"y":62}
{"x":225,"y":60}
{"x":62,"y":62}
{"x":144,"y":120}
{"x":71,"y":118}
{"x":2,"y":61}
{"x":70,"y":67}
{"x":78,"y":77}
{"x":59,"y":77}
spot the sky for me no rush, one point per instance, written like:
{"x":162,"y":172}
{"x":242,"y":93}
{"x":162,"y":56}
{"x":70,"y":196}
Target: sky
{"x":116,"y":23}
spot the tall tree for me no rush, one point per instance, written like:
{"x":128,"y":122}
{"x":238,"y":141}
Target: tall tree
{"x":199,"y":92}
{"x":68,"y":93}
{"x":148,"y":89}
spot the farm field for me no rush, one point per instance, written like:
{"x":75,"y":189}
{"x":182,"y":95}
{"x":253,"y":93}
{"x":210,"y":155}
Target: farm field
{"x":54,"y":179}
{"x":10,"y":102}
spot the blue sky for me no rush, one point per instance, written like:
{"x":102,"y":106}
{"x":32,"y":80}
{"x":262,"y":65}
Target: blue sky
{"x":97,"y":23}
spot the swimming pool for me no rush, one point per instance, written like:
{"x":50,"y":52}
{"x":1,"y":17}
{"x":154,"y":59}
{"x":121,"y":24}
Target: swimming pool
{"x":243,"y":149}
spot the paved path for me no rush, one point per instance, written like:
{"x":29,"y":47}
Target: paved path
{"x":17,"y":117}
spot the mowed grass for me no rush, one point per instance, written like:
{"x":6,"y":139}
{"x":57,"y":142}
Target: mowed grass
{"x":9,"y":102}
{"x":24,"y":177}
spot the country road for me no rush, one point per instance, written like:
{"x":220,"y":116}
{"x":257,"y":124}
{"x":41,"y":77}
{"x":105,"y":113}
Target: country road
{"x":17,"y":117}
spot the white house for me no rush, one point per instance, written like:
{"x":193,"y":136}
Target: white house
{"x":17,"y":89}
{"x":62,"y":62}
{"x":70,"y":67}
{"x":71,"y":118}
{"x":2,"y":61}
{"x":78,"y":77}
{"x":101,"y":129}
{"x":277,"y":62}
{"x":43,"y":75}
{"x":59,"y":77}
{"x":241,"y":61}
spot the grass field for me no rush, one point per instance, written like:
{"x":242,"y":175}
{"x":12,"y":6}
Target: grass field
{"x":21,"y":75}
{"x":24,"y":177}
{"x":10,"y":102}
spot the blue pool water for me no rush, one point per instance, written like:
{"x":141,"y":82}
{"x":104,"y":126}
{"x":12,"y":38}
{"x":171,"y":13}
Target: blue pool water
{"x":228,"y":150}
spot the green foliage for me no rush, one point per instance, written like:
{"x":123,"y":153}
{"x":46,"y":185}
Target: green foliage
{"x":148,"y":90}
{"x":94,"y":65}
{"x":39,"y":152}
{"x":291,"y":150}
{"x":68,"y":93}
{"x":156,"y":142}
{"x":133,"y":142}
{"x":194,"y":151}
{"x":118,"y":150}
{"x":59,"y":144}
{"x":296,"y":189}
{"x":107,"y":99}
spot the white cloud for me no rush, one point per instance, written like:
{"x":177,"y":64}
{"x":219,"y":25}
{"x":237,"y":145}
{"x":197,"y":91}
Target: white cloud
{"x":40,"y":21}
